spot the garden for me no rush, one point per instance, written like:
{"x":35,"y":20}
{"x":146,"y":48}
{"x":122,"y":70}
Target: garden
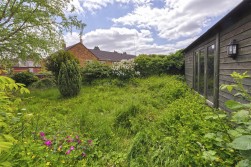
{"x":136,"y":113}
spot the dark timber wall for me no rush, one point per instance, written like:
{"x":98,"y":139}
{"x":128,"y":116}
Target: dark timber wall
{"x":236,"y":25}
{"x":241,"y":31}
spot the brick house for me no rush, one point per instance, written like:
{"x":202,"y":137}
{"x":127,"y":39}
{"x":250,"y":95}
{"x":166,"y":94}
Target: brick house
{"x":28,"y":65}
{"x":23,"y":66}
{"x":81,"y":53}
{"x":84,"y":54}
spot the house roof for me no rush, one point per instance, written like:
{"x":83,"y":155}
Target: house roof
{"x":111,"y":56}
{"x":231,"y":18}
{"x":105,"y":55}
{"x":69,"y":47}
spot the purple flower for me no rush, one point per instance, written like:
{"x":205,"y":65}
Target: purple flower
{"x":48,"y":143}
{"x":77,"y":137}
{"x":89,"y":142}
{"x":83,"y":154}
{"x":79,"y":141}
{"x":42,"y":134}
{"x":72,"y":148}
{"x":69,"y":139}
{"x":68,"y":152}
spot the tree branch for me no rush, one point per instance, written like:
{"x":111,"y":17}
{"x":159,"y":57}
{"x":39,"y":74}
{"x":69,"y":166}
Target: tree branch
{"x":20,"y":27}
{"x":5,"y":8}
{"x":11,"y":14}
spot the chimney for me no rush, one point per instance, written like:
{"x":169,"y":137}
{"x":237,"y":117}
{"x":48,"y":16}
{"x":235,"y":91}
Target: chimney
{"x":96,"y":48}
{"x":81,"y":40}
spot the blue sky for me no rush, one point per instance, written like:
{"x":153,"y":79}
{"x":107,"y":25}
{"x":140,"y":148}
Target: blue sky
{"x":146,"y":26}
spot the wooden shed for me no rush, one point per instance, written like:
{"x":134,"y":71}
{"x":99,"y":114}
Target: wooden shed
{"x":207,"y":62}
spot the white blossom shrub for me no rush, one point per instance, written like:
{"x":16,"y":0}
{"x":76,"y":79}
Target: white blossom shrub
{"x":124,"y":69}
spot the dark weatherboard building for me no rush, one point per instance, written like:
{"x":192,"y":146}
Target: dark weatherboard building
{"x":223,"y":49}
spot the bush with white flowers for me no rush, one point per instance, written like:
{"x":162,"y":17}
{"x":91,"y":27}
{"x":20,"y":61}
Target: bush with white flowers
{"x":124,"y":69}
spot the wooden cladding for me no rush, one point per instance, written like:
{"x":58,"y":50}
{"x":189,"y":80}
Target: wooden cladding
{"x":224,"y":65}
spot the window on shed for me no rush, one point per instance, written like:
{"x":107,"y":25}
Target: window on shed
{"x":210,"y":72}
{"x":204,"y":71}
{"x":199,"y":71}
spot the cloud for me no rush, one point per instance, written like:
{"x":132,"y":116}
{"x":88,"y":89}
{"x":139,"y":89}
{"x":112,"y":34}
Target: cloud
{"x":178,"y":22}
{"x":122,"y":40}
{"x":93,"y":5}
{"x":178,"y":19}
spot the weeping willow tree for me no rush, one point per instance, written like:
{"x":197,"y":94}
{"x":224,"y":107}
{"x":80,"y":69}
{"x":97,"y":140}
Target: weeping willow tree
{"x":34,"y":28}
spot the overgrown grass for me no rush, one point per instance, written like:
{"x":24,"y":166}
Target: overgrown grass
{"x":150,"y":122}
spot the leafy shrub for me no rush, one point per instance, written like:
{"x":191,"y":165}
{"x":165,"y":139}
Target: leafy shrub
{"x":26,"y":78}
{"x":159,"y":64}
{"x":237,"y":137}
{"x":95,"y":70}
{"x":46,"y":74}
{"x":8,"y":114}
{"x":44,"y":83}
{"x":54,"y":61}
{"x":124,"y":70}
{"x":69,"y":79}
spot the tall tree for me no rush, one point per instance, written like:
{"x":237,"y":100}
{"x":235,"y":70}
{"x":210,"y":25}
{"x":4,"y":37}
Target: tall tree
{"x":32,"y":28}
{"x":69,"y":79}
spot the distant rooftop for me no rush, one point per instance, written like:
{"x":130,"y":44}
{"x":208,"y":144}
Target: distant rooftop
{"x":105,"y":55}
{"x":111,"y":56}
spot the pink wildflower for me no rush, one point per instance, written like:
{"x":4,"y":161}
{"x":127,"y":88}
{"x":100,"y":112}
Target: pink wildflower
{"x":48,"y":143}
{"x":72,"y":148}
{"x":69,"y":139}
{"x":68,"y":152}
{"x":89,"y":142}
{"x":42,"y":134}
{"x":79,"y":141}
{"x":83,"y":154}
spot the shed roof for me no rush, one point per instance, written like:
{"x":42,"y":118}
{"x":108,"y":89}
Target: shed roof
{"x":232,"y":17}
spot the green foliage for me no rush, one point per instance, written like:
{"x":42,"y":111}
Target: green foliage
{"x":44,"y":83}
{"x":95,"y":70}
{"x":26,"y":78}
{"x":238,"y":135}
{"x":53,"y":62}
{"x":31,"y":27}
{"x":52,"y":150}
{"x":8,"y":113}
{"x":159,"y":64}
{"x":156,"y":121}
{"x":69,"y":79}
{"x":125,"y":117}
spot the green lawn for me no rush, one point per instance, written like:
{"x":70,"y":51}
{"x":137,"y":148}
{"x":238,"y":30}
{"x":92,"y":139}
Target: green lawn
{"x":150,"y":122}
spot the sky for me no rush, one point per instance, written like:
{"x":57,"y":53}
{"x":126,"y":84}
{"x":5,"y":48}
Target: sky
{"x":145,"y":26}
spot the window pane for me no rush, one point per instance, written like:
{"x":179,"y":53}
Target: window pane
{"x":210,"y":75}
{"x":201,"y":72}
{"x":196,"y":84}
